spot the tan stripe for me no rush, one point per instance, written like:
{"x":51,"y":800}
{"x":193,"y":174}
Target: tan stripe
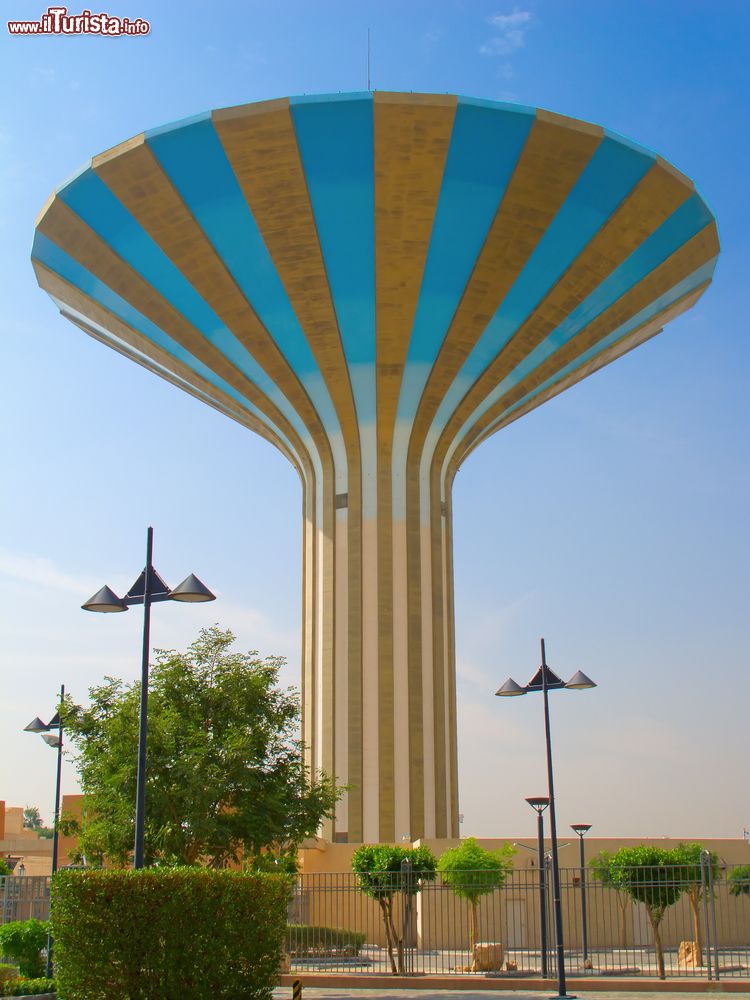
{"x":66,"y":230}
{"x":136,"y":178}
{"x":427,"y":687}
{"x":187,"y":379}
{"x":440,"y":708}
{"x":650,"y":203}
{"x":697,"y":251}
{"x":450,"y":665}
{"x":617,"y":350}
{"x":550,"y":163}
{"x":261,"y":146}
{"x":412,"y":135}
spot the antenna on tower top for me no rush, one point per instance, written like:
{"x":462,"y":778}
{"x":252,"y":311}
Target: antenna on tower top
{"x":368,"y":59}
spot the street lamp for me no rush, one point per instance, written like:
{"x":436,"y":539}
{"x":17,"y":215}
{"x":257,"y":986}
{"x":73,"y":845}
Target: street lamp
{"x":52,"y":739}
{"x":546,"y":680}
{"x":582,"y":829}
{"x":148,"y":589}
{"x":539,"y":804}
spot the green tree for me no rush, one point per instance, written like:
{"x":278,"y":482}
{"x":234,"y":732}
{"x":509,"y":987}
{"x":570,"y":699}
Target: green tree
{"x":472,"y":872}
{"x":4,"y":869}
{"x":31,"y":818}
{"x":24,"y":940}
{"x":688,"y":856}
{"x":380,"y":875}
{"x":739,"y":881}
{"x":226,"y":777}
{"x":648,"y":875}
{"x":601,"y":869}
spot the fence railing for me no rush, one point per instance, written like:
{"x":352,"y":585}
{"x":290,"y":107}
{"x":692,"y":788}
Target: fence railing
{"x":24,"y":896}
{"x":688,"y":923}
{"x":680,"y":926}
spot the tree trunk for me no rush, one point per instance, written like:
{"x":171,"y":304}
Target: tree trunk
{"x":694,"y":895}
{"x":388,"y":939}
{"x":657,"y":943}
{"x":397,"y":940}
{"x":623,"y":901}
{"x":473,"y":932}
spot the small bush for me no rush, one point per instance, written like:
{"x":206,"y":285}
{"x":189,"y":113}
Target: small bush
{"x":739,"y":881}
{"x":7,"y":972}
{"x":24,"y":940}
{"x":167,"y":933}
{"x":302,"y":939}
{"x":28,"y":987}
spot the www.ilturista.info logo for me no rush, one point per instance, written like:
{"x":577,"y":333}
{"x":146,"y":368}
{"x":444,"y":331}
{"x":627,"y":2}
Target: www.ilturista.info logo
{"x":57,"y":21}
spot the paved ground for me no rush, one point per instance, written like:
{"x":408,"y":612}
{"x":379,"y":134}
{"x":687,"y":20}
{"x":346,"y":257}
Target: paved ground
{"x":309,"y":993}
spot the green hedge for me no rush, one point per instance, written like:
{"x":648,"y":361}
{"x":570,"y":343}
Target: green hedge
{"x":28,"y":987}
{"x":167,"y":934}
{"x":302,"y":939}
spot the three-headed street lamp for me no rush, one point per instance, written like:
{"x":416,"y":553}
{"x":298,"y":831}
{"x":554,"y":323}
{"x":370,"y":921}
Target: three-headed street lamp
{"x":582,"y":829}
{"x":52,"y":734}
{"x":546,"y":680}
{"x":539,"y":804}
{"x":148,"y":589}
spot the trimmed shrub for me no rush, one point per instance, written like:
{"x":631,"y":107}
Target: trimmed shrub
{"x":167,"y":934}
{"x":28,"y":987}
{"x":24,"y":940}
{"x":302,"y":939}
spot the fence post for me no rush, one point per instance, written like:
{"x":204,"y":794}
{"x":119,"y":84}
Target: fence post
{"x":407,"y":884}
{"x":705,"y":859}
{"x":712,"y":906}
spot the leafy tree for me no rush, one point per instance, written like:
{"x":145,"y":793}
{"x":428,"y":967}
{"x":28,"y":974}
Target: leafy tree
{"x":31,"y":818}
{"x":4,"y":869}
{"x":689,"y":857}
{"x":472,"y":872}
{"x":648,"y":875}
{"x":378,"y":868}
{"x":601,"y":869}
{"x":226,"y":778}
{"x":24,"y":940}
{"x":739,"y":881}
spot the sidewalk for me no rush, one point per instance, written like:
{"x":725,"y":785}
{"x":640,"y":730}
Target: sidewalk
{"x":313,"y":993}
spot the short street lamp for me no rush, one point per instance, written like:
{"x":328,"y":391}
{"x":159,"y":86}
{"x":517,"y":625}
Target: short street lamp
{"x":147,"y":590}
{"x":539,"y":804}
{"x":52,"y":739}
{"x":546,"y":680}
{"x":582,"y":829}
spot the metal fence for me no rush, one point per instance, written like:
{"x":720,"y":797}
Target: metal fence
{"x":694,"y":926}
{"x":24,"y":896}
{"x":690,"y":928}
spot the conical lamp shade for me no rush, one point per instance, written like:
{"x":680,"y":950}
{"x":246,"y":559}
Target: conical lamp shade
{"x":191,"y":589}
{"x":37,"y":726}
{"x":510,"y":689}
{"x":104,"y":600}
{"x":580,"y":681}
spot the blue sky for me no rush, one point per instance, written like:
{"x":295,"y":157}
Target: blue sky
{"x":613,"y":520}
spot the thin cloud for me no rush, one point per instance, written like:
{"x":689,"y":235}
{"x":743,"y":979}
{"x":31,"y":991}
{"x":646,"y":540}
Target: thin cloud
{"x":511,"y":33}
{"x":42,"y":572}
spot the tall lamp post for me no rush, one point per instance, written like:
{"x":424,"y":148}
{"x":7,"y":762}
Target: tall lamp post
{"x":546,"y":680}
{"x":52,"y":739}
{"x":539,"y":804}
{"x":582,"y":829}
{"x":148,"y":589}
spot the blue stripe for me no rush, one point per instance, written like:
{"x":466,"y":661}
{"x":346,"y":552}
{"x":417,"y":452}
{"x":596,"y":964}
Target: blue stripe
{"x":335,"y":141}
{"x":610,"y":175}
{"x":484,"y":149}
{"x":194,"y":160}
{"x":651,"y":311}
{"x":57,"y":260}
{"x":688,"y":220}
